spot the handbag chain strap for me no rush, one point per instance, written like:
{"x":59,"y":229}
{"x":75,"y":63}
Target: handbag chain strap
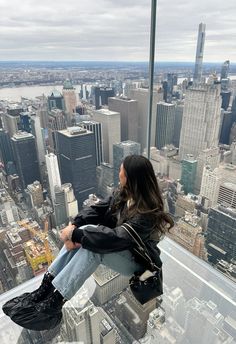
{"x":142,"y":250}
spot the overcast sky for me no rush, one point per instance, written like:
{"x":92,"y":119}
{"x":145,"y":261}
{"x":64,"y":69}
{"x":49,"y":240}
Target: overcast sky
{"x":115,"y":30}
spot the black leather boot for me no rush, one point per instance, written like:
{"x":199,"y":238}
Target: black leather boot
{"x":44,"y":289}
{"x":52,"y":304}
{"x":28,"y":299}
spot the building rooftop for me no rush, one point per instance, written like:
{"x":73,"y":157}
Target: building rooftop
{"x":203,"y":292}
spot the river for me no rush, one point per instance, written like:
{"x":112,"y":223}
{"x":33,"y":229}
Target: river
{"x":15,"y":93}
{"x":30,"y":92}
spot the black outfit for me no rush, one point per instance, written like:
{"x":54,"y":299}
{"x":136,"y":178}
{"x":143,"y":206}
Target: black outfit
{"x":109,"y":236}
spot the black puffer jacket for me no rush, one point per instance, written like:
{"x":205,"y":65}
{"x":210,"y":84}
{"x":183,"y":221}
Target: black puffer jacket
{"x":109,"y":237}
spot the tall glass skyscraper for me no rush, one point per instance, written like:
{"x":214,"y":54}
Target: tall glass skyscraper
{"x":77,"y":161}
{"x":25,"y":158}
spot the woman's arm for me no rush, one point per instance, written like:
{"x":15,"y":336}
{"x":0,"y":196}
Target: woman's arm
{"x":94,"y":214}
{"x":103,"y":239}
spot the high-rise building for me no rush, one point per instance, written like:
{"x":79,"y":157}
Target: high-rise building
{"x":70,"y":101}
{"x":213,"y":179}
{"x":96,"y":128}
{"x":25,"y":122}
{"x":209,"y":157}
{"x":56,"y":100}
{"x":101,"y":95}
{"x":165,"y":122}
{"x":226,"y":124}
{"x":56,"y":121}
{"x":105,"y":179}
{"x":120,"y":151}
{"x":128,"y":109}
{"x":11,"y":122}
{"x":110,"y":121}
{"x":227,"y":195}
{"x":132,"y":314}
{"x":179,"y":108}
{"x":42,"y":111}
{"x":77,"y":161}
{"x":59,"y":205}
{"x":225,"y":70}
{"x":141,"y":95}
{"x":25,"y":158}
{"x":201,"y":119}
{"x":6,"y":154}
{"x":108,"y":284}
{"x":225,"y":95}
{"x":35,"y":194}
{"x":188,"y":175}
{"x":199,"y":53}
{"x":82,"y":324}
{"x":37,"y":131}
{"x":221,"y":234}
{"x":53,"y":173}
{"x":189,"y":234}
{"x":71,"y":203}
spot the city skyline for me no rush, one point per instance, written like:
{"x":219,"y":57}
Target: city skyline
{"x":115,"y":31}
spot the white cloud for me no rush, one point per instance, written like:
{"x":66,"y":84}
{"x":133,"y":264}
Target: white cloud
{"x":115,"y":30}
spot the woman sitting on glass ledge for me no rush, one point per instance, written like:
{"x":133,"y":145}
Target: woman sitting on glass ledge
{"x":96,"y":237}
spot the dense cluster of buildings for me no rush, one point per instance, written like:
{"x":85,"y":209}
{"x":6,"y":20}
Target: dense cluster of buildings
{"x":57,"y":152}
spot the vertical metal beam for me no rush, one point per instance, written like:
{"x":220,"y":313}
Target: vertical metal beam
{"x":151,"y":73}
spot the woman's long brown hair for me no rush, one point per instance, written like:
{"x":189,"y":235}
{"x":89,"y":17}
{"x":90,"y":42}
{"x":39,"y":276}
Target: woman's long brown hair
{"x":142,"y":188}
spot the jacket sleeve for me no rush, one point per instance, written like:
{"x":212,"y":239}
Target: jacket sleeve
{"x":94,"y":214}
{"x":103,"y":239}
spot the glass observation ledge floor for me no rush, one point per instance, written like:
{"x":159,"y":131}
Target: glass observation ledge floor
{"x":198,"y":306}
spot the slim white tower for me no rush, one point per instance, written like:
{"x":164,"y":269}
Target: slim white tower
{"x":53,"y":173}
{"x":199,"y":53}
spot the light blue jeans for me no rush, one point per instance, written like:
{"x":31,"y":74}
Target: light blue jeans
{"x":71,"y":268}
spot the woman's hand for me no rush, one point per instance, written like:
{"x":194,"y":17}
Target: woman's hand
{"x":70,"y":245}
{"x":65,"y":235}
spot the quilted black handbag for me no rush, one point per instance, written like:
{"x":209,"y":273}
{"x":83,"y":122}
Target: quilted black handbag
{"x":146,"y":285}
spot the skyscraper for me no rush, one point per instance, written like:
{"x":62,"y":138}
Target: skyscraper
{"x":221,"y":234}
{"x":70,"y":101}
{"x":101,"y":95}
{"x":108,"y":284}
{"x":56,"y":121}
{"x":59,"y":204}
{"x":128,"y":109}
{"x":110,"y":121}
{"x":82,"y":323}
{"x":165,"y":124}
{"x":96,"y":128}
{"x":37,"y":131}
{"x":179,"y":108}
{"x":209,"y":157}
{"x":188,"y":175}
{"x":55,"y":100}
{"x":77,"y":161}
{"x":141,"y":95}
{"x":120,"y":151}
{"x":53,"y":173}
{"x":213,"y":179}
{"x":105,"y":179}
{"x":199,"y":53}
{"x":201,"y":119}
{"x":6,"y":154}
{"x":225,"y":70}
{"x":25,"y":158}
